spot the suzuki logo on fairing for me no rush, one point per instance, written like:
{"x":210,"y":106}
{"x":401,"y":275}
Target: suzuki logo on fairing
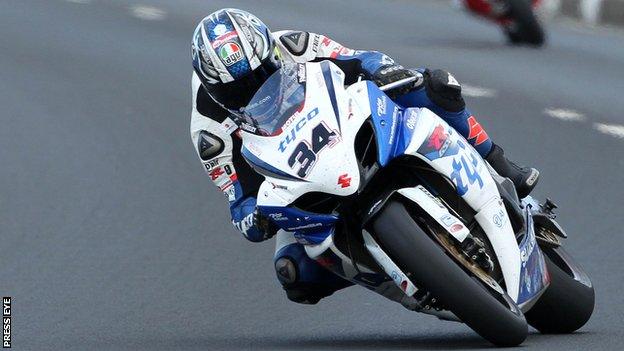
{"x":292,"y":135}
{"x":344,"y":181}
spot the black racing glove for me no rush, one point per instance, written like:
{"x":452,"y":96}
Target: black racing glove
{"x":392,"y":73}
{"x":265,"y":225}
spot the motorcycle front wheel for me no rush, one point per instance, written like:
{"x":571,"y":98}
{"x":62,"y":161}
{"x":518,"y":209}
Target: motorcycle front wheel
{"x":496,"y":318}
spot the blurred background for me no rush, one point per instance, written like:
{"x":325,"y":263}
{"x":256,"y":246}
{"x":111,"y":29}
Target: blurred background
{"x":112,"y":236}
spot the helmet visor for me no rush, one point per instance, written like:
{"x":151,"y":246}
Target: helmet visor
{"x":237,"y":94}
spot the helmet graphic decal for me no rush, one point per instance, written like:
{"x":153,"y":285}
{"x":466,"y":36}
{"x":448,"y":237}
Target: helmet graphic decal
{"x":220,"y":29}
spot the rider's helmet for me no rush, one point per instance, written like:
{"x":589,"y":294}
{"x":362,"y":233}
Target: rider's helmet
{"x":233,"y":55}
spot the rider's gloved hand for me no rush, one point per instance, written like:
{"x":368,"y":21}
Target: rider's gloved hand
{"x":265,"y":225}
{"x":248,"y":220}
{"x":392,"y":73}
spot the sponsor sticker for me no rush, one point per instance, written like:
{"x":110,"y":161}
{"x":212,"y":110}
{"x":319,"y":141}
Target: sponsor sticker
{"x":278,"y":186}
{"x":527,"y":250}
{"x":219,"y":29}
{"x":395,"y":115}
{"x":230,"y":193}
{"x":499,"y":218}
{"x":307,"y":226}
{"x":434,"y":198}
{"x":248,"y":127}
{"x":278,"y":217}
{"x":350,"y":109}
{"x":411,"y":120}
{"x":226,"y":185}
{"x":381,"y":105}
{"x":456,"y":228}
{"x":216,"y":173}
{"x":222,"y":39}
{"x":448,"y":220}
{"x":301,"y":74}
{"x":230,"y":53}
{"x":229,"y":126}
{"x":315,"y":43}
{"x":211,"y":164}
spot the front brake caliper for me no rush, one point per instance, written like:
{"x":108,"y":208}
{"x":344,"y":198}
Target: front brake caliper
{"x":475,"y":250}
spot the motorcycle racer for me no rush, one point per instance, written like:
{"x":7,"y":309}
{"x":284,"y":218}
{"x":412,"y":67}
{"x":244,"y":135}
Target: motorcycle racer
{"x":233,"y":54}
{"x":517,"y":18}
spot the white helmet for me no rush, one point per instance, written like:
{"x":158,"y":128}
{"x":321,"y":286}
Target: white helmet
{"x":233,"y":55}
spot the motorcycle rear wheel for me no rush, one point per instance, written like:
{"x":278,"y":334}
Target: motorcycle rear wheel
{"x":567,"y":303}
{"x":496,"y":318}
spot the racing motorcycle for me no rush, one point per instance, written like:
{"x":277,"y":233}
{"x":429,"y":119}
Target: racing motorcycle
{"x":395,"y":200}
{"x":516,"y":17}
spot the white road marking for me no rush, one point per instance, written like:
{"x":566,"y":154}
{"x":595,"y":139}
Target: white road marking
{"x":477,"y":92}
{"x":615,"y":130}
{"x":147,"y":13}
{"x":565,"y":114}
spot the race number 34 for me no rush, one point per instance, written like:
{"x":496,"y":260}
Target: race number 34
{"x":306,"y":153}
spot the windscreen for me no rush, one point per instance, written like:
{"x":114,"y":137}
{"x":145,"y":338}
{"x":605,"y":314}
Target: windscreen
{"x":277,"y":99}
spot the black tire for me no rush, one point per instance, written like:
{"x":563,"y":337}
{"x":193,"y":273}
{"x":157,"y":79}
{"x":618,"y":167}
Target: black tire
{"x":566,"y":305}
{"x":499,"y":321}
{"x":526,"y":27}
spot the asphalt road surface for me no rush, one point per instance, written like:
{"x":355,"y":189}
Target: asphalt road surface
{"x":112,"y":237}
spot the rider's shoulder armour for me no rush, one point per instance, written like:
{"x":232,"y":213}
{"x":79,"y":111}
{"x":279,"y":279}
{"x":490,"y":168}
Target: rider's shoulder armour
{"x":296,"y":42}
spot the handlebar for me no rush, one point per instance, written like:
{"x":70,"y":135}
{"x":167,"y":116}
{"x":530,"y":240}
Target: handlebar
{"x":417,"y":77}
{"x":398,"y":83}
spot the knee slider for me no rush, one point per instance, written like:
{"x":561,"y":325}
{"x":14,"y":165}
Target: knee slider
{"x":444,"y":90}
{"x":296,"y":291}
{"x":286,"y":271}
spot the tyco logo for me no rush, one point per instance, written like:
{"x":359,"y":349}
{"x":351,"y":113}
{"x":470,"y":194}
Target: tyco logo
{"x":292,"y":135}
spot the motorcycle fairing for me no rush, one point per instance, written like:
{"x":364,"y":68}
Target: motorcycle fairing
{"x":534,"y":277}
{"x":334,"y":169}
{"x":388,"y":124}
{"x":416,"y":131}
{"x":309,"y":228}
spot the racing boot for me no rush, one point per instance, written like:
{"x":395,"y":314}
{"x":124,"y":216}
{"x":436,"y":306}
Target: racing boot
{"x":307,"y":292}
{"x":523,"y":178}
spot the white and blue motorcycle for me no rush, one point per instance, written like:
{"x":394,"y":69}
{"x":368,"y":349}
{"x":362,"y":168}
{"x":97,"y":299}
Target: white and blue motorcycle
{"x":398,"y":202}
